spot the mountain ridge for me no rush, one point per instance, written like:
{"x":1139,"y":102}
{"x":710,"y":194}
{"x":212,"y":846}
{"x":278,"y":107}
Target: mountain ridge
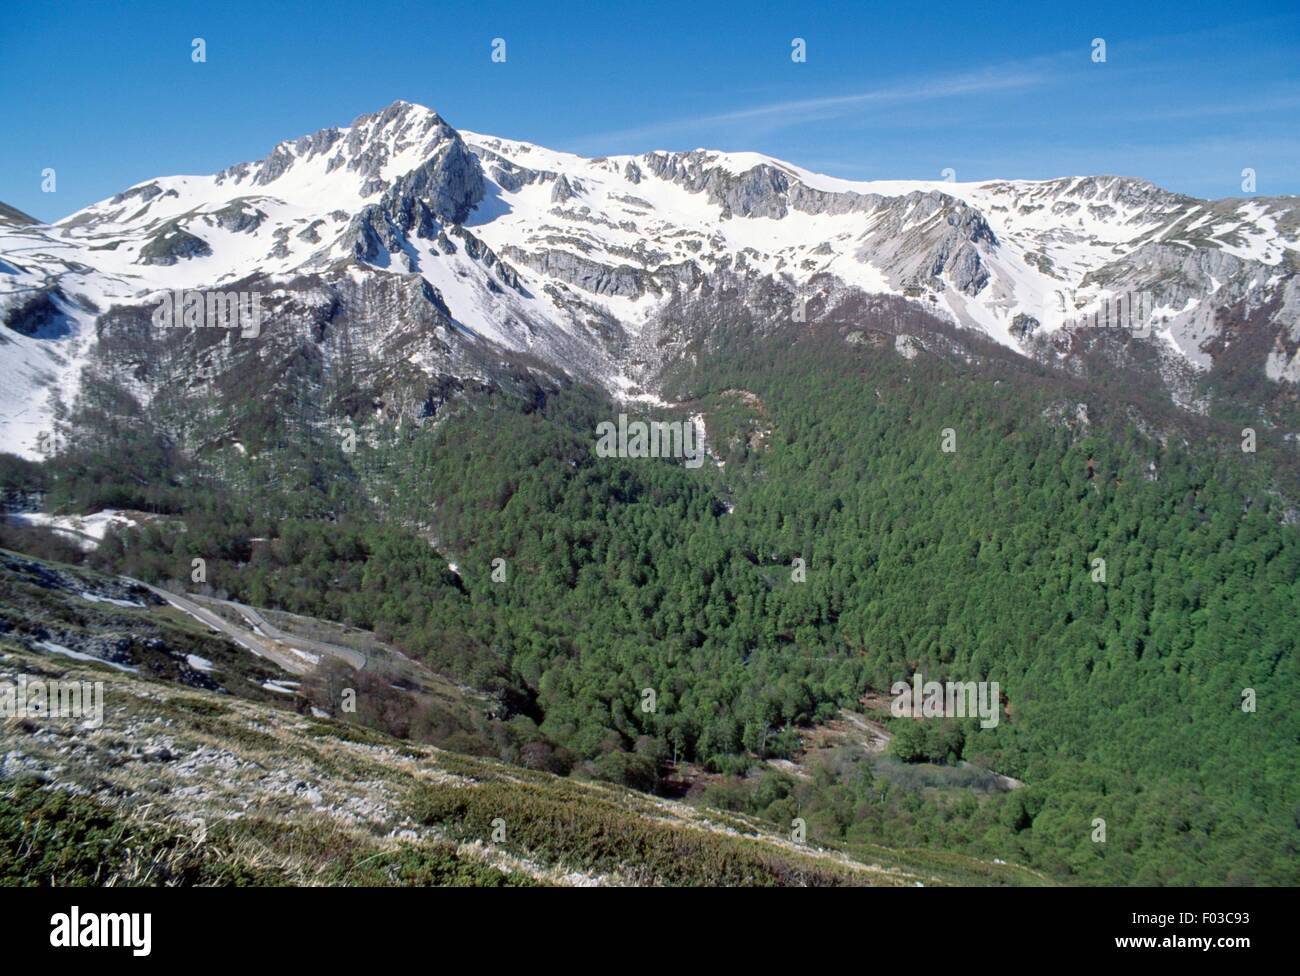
{"x":522,"y":250}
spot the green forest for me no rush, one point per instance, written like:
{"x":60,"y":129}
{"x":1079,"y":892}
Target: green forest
{"x":583,"y":582}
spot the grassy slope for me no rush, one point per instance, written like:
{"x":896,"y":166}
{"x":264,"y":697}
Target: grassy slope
{"x":286,"y":799}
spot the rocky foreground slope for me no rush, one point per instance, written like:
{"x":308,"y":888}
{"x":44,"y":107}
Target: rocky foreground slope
{"x":196,"y":774}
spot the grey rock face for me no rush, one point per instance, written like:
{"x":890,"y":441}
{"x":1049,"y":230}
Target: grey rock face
{"x":512,"y":178}
{"x":238,"y":217}
{"x":317,"y":143}
{"x":762,"y":191}
{"x":443,"y":190}
{"x":622,"y":280}
{"x":509,"y":175}
{"x":1173,"y":274}
{"x":956,"y":254}
{"x":370,"y":143}
{"x":282,"y":157}
{"x":1125,"y":191}
{"x":921,"y":238}
{"x":758,"y":192}
{"x":172,"y":244}
{"x":449,"y":184}
{"x":143,"y":193}
{"x":274,"y":166}
{"x":808,"y":200}
{"x":371,"y":234}
{"x":562,"y":191}
{"x":444,"y":243}
{"x":310,"y":233}
{"x":592,"y":276}
{"x":485,"y":256}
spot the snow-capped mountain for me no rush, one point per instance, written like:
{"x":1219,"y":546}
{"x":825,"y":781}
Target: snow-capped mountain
{"x":408,"y":246}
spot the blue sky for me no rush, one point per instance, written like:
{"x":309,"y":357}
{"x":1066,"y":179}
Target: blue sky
{"x":1190,"y":93}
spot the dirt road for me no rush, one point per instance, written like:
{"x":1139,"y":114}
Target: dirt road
{"x":297,"y":655}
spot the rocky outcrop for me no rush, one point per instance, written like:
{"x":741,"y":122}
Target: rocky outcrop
{"x":371,"y":234}
{"x":143,"y":193}
{"x":485,"y":256}
{"x":449,"y":184}
{"x":758,"y":192}
{"x":442,"y":190}
{"x":924,"y":239}
{"x":238,"y":217}
{"x":1173,"y":274}
{"x":562,"y":190}
{"x":172,"y":244}
{"x":599,"y":279}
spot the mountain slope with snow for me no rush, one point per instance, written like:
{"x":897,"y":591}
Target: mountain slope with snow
{"x":488,"y":247}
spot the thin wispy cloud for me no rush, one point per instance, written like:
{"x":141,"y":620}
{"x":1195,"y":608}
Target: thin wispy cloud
{"x":777,"y":115}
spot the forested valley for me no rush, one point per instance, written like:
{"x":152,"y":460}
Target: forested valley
{"x":581,"y":582}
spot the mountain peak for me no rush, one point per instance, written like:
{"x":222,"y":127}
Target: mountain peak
{"x":401,"y":115}
{"x":526,"y":247}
